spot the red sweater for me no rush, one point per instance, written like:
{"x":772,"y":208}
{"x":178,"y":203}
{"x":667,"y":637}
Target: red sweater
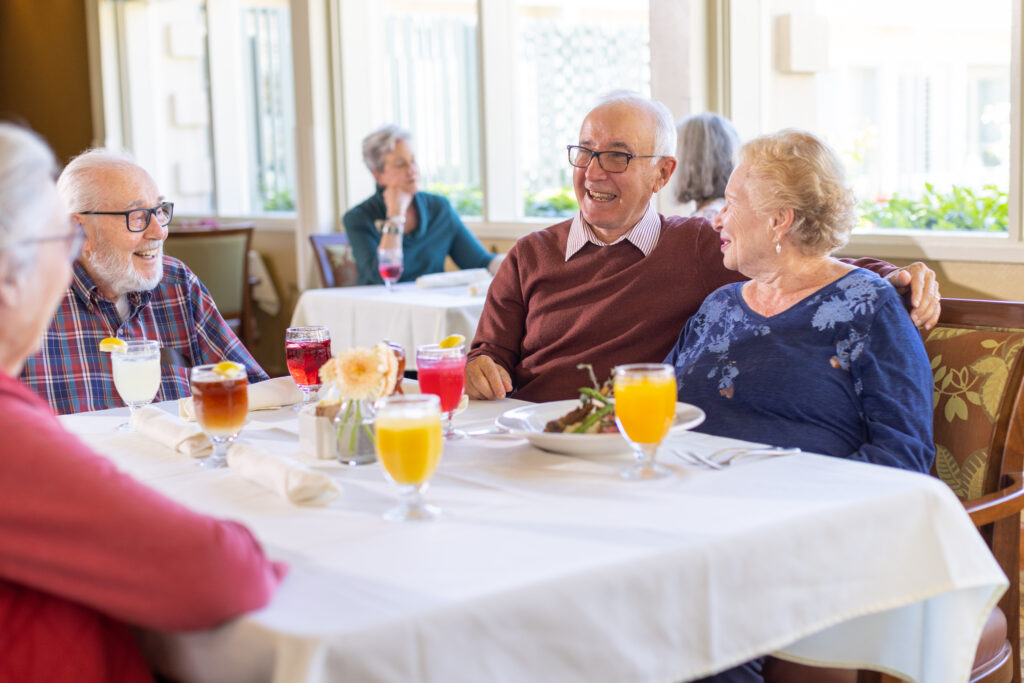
{"x":86,"y":549}
{"x":605,"y":306}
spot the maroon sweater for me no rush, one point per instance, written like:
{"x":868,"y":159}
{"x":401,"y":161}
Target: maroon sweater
{"x":605,"y":306}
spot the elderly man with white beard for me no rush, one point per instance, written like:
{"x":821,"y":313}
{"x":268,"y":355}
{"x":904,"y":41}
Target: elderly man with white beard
{"x":124,"y":286}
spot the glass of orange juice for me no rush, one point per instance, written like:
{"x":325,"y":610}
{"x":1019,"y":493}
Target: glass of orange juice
{"x":645,"y":406}
{"x":408,"y":435}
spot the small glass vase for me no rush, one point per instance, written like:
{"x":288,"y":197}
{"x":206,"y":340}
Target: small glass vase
{"x":354,"y":427}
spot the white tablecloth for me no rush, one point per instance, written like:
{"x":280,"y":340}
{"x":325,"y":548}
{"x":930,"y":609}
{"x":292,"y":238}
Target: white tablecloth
{"x":551,"y":568}
{"x":362,"y":316}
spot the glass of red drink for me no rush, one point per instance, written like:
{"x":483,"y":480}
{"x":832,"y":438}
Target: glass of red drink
{"x":221,"y":398}
{"x":442,"y":371}
{"x":389,"y":265}
{"x":305,"y":350}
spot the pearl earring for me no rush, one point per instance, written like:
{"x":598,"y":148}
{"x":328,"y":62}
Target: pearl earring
{"x":778,"y":247}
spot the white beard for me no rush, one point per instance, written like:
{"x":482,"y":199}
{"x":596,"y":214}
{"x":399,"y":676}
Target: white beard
{"x":122,"y":277}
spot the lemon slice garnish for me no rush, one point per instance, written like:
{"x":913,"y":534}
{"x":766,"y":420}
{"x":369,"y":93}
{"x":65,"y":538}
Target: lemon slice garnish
{"x":227,"y":368}
{"x":111,"y":344}
{"x":451,"y":341}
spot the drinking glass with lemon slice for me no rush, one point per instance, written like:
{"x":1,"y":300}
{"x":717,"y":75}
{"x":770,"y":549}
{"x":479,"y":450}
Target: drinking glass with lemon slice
{"x":221,"y":398}
{"x":645,"y":406}
{"x":408,"y":443}
{"x":135,"y":366}
{"x":441,"y":370}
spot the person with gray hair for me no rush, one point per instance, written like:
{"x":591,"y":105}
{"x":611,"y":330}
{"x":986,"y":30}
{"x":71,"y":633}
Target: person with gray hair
{"x":87,"y":552}
{"x":707,"y":147}
{"x":616,"y":283}
{"x":124,"y":286}
{"x":424,"y":225}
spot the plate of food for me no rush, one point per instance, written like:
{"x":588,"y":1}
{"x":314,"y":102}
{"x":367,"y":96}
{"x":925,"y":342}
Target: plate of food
{"x":530,"y":421}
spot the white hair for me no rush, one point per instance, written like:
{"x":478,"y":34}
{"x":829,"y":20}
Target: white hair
{"x":27,"y":166}
{"x":380,"y":142}
{"x":79,"y":186}
{"x":664,"y":122}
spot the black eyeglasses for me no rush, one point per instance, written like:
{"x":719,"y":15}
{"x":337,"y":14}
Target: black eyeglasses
{"x":137,"y":220}
{"x":75,"y":239}
{"x":613,"y":162}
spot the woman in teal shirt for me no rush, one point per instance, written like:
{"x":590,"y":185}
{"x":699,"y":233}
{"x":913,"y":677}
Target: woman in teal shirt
{"x":429,"y":225}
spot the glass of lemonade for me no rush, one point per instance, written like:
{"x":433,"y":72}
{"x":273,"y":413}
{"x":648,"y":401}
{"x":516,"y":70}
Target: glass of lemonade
{"x":221,"y":398}
{"x":441,"y":371}
{"x":645,"y":406}
{"x":136,"y":371}
{"x":408,"y":435}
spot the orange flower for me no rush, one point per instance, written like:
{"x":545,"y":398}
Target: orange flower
{"x":362,"y":374}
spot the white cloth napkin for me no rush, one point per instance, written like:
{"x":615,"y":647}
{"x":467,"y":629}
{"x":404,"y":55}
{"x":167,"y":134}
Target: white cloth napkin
{"x":267,"y":395}
{"x":452,"y":278}
{"x":164,"y":428}
{"x":283,"y":475}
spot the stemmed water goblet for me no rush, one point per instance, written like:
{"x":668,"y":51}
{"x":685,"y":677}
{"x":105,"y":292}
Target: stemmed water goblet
{"x":441,"y":371}
{"x":645,"y":406}
{"x":408,"y":443}
{"x":221,"y":397}
{"x":389,"y":255}
{"x":135,"y":366}
{"x":306,"y":349}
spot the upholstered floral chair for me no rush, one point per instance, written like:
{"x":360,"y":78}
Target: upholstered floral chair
{"x":978,"y":366}
{"x":334,"y":257}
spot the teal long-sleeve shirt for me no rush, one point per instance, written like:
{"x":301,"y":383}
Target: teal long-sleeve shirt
{"x":440,"y":233}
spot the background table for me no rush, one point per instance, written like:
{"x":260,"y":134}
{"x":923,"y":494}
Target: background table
{"x":362,"y":316}
{"x":551,"y":568}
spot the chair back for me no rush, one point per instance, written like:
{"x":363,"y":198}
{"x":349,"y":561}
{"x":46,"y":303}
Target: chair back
{"x":220,"y":259}
{"x":334,"y":257}
{"x":975,"y":353}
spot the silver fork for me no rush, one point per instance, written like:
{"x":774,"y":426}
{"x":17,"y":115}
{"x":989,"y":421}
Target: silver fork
{"x":697,"y":458}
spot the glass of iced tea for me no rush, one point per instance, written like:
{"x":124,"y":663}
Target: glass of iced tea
{"x":221,"y":398}
{"x":305,"y":350}
{"x":645,"y":406}
{"x":408,"y":442}
{"x":441,"y":371}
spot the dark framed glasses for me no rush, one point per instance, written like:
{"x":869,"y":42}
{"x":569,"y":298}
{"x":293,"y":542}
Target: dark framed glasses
{"x":137,"y":220}
{"x":613,"y":162}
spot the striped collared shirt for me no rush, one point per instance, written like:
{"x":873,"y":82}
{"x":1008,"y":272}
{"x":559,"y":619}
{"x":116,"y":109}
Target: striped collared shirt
{"x":73,"y":375}
{"x":644,"y":235}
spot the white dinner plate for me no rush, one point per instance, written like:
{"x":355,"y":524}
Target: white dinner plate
{"x":528,"y":422}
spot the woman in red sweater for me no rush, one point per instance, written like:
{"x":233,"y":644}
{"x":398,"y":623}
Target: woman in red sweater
{"x":86,"y":551}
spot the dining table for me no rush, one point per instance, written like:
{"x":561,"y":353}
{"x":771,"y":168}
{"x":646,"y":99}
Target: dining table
{"x":407,"y":315}
{"x":548,"y":566}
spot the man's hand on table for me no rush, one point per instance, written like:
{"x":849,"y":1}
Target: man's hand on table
{"x":919,"y":280}
{"x":487,"y":380}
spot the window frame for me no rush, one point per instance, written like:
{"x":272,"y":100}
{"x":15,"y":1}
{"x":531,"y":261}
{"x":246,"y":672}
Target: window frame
{"x":740,"y":91}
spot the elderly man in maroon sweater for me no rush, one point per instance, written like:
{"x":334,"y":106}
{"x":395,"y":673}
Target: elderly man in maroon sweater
{"x":616,"y":283}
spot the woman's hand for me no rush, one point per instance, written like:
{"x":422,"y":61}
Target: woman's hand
{"x":396,"y":201}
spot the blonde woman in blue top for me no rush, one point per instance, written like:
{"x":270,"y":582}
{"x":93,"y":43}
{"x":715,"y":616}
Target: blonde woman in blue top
{"x":431,"y":230}
{"x":810,"y":352}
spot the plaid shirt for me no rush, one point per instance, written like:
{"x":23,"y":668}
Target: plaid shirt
{"x":73,"y":375}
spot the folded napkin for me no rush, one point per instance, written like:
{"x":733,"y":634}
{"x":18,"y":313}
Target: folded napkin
{"x":285,"y":476}
{"x":164,"y":428}
{"x":266,"y":395}
{"x":452,"y":278}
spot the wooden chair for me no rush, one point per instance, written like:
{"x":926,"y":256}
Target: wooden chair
{"x":220,"y":259}
{"x":334,"y":256}
{"x":976,"y":356}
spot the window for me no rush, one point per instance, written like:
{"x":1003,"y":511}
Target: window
{"x":201,"y":94}
{"x":496,"y":151}
{"x":914,"y":95}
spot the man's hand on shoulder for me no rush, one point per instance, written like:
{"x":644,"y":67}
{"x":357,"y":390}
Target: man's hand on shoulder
{"x":487,"y":380}
{"x":919,"y":280}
